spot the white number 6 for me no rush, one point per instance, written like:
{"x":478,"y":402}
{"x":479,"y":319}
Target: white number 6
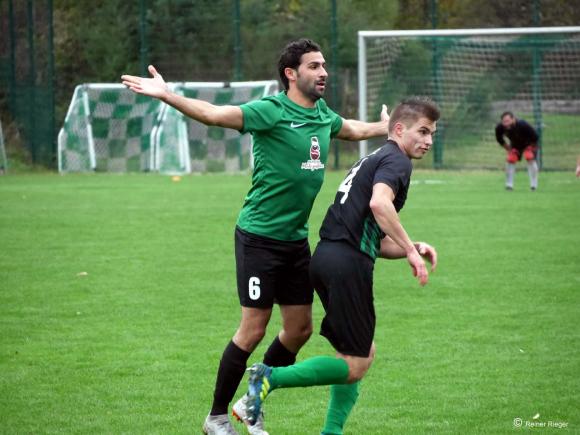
{"x":254,"y":285}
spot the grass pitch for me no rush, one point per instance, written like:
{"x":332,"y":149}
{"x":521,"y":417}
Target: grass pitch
{"x":117,"y":297}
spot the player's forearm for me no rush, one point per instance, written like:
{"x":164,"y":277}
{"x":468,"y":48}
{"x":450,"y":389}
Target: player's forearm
{"x":367,"y":130}
{"x":388,"y":220}
{"x":359,"y":130}
{"x":390,"y":250}
{"x":199,"y":110}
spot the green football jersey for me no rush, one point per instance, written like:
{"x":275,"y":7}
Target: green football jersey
{"x":290,"y":148}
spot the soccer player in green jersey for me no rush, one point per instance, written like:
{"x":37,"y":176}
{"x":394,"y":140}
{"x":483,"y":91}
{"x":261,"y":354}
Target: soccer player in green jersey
{"x":291,"y":134}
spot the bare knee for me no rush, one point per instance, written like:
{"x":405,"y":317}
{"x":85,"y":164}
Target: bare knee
{"x":295,"y":336}
{"x":300,"y":333}
{"x":255,"y":335}
{"x":252,"y":328}
{"x":297,"y":326}
{"x":359,"y":366}
{"x":248,"y":339}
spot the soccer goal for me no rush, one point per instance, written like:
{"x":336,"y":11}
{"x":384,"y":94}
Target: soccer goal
{"x":475,"y":75}
{"x":112,"y":129}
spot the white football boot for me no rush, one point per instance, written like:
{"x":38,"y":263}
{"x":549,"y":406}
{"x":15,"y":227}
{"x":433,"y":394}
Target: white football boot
{"x":239,"y":411}
{"x":218,"y":425}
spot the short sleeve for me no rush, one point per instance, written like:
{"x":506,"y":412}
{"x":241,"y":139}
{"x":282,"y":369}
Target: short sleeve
{"x":336,"y":123}
{"x":394,"y":171}
{"x":260,"y":115}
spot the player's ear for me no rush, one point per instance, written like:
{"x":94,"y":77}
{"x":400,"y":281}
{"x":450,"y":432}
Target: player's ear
{"x":290,"y":74}
{"x":399,"y":129}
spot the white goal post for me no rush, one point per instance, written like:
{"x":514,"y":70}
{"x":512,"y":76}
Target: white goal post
{"x":474,"y":74}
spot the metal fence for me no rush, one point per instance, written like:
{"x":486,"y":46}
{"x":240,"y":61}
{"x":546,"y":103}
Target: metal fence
{"x":27,"y":73}
{"x":47,"y":48}
{"x":203,"y":40}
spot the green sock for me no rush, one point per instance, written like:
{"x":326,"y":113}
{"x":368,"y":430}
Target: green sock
{"x":342,"y":400}
{"x":320,"y":370}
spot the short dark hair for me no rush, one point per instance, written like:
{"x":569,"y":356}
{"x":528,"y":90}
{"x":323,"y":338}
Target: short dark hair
{"x":506,"y":113}
{"x":291,"y":55}
{"x":411,"y":109}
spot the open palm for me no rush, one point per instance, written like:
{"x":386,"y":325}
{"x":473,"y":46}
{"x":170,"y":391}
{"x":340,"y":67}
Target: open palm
{"x":385,"y":114}
{"x":153,"y":87}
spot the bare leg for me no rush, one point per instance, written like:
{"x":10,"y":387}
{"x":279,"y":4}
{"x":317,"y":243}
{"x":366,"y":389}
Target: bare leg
{"x":233,"y":363}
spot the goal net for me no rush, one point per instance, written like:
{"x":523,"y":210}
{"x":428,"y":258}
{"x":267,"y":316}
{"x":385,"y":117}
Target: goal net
{"x":112,"y":129}
{"x":475,"y":75}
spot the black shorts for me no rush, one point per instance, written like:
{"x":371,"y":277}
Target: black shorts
{"x":343,"y":279}
{"x":272,"y":271}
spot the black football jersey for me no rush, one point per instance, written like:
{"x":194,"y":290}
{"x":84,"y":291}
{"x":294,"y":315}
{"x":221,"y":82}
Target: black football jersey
{"x":520,"y":135}
{"x":350,"y":218}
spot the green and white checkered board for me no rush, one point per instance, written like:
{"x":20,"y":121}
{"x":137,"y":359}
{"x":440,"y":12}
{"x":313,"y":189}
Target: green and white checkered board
{"x":109,"y":128}
{"x":122,"y":122}
{"x":215,"y":149}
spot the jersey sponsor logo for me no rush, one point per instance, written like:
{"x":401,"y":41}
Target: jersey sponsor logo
{"x":314,"y":163}
{"x":315,"y":151}
{"x":297,"y":125}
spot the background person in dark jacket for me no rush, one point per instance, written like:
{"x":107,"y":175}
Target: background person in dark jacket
{"x":523,"y":140}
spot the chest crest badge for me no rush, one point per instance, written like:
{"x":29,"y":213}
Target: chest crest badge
{"x":314,"y":163}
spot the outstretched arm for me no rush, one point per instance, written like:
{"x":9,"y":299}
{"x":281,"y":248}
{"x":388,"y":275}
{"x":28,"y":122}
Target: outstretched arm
{"x":387,"y":218}
{"x":202,"y":111}
{"x":358,"y":130}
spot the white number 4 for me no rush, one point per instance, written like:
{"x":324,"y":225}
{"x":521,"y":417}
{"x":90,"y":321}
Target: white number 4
{"x":347,"y":182}
{"x":254,"y":287}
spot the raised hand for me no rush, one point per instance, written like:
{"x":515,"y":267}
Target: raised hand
{"x":384,"y":114}
{"x":153,"y":87}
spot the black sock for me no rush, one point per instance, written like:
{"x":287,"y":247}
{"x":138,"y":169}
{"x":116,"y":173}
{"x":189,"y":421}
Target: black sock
{"x":229,"y":376}
{"x":278,"y":356}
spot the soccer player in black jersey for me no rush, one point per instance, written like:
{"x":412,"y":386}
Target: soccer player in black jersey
{"x":523,"y":140}
{"x":361,"y":225}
